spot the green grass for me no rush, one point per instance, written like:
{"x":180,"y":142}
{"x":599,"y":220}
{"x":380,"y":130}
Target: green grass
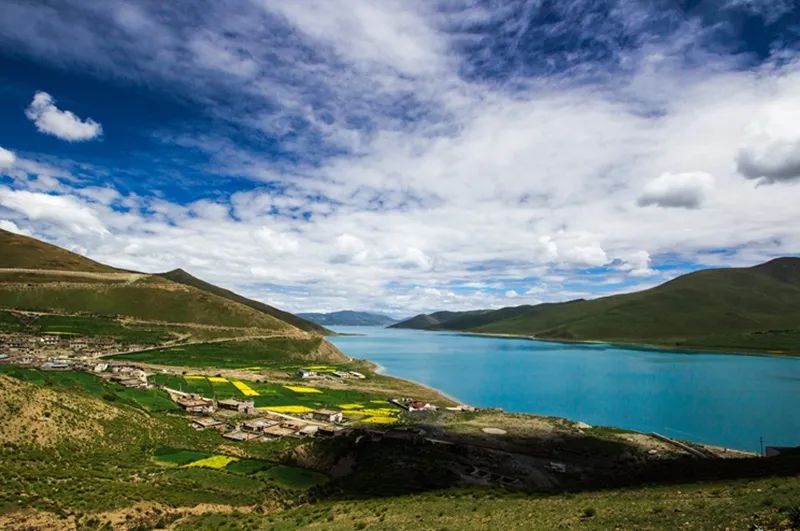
{"x":290,"y":477}
{"x":232,"y":354}
{"x":765,"y":504}
{"x":101,"y":327}
{"x":173,"y":457}
{"x":147,"y":399}
{"x":247,"y":466}
{"x":145,"y":299}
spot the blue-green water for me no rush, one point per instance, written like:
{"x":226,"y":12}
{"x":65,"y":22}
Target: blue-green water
{"x":727,"y":400}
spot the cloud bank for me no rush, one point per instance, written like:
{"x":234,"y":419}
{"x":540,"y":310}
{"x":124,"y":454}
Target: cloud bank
{"x":411,"y":156}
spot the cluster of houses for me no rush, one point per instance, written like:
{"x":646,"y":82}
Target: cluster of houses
{"x":411,"y":405}
{"x":308,"y":374}
{"x":15,"y":345}
{"x":267,"y":426}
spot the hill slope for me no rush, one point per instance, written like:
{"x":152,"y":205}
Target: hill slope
{"x":22,"y":252}
{"x":348,"y":318}
{"x":753,"y":309}
{"x":39,"y":277}
{"x":182,"y":277}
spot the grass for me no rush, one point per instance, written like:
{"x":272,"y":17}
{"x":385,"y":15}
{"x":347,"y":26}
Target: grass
{"x":232,"y":354}
{"x":743,"y":504}
{"x":170,"y":457}
{"x":292,"y":477}
{"x":152,"y":400}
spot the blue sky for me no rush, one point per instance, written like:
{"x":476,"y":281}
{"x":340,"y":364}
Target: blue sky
{"x":405,"y":156}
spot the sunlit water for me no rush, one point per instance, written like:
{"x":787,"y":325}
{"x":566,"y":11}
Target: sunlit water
{"x":727,"y":400}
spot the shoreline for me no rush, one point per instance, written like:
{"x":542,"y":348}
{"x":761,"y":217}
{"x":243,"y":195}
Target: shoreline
{"x":381,"y":370}
{"x":621,"y":344}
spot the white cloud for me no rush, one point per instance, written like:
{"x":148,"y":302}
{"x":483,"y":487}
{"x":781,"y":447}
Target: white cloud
{"x":770,"y":159}
{"x":51,"y":120}
{"x":65,"y":211}
{"x":10,"y":226}
{"x":637,"y":264}
{"x":586,"y":255}
{"x":7,"y":158}
{"x":677,"y":190}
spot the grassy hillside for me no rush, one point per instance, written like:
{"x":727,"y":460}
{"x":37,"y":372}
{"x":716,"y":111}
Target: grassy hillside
{"x":348,"y":318}
{"x":28,"y":253}
{"x":39,"y":277}
{"x":182,"y":277}
{"x":242,"y":354}
{"x":768,"y":504}
{"x":738,"y":309}
{"x":78,"y":453}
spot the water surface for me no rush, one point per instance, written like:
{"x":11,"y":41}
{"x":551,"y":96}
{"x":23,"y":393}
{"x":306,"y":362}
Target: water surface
{"x":727,"y":400}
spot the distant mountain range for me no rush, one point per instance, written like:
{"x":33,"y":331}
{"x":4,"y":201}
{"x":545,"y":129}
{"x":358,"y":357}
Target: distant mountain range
{"x":755,"y":309}
{"x":348,"y":318}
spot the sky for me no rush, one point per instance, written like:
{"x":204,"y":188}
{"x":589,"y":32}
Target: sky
{"x":405,"y":155}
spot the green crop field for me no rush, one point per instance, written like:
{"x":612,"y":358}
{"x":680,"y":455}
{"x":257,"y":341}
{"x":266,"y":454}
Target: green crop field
{"x":232,"y":354}
{"x":269,"y":394}
{"x":292,"y":477}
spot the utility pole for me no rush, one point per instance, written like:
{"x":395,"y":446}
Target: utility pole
{"x":761,"y":443}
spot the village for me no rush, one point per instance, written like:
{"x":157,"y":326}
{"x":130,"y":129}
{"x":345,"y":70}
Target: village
{"x":236,"y":419}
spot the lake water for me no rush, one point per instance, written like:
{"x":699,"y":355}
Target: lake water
{"x":727,"y":400}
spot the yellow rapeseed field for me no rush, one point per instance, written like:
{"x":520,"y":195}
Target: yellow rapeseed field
{"x":215,"y":461}
{"x":194,"y":377}
{"x":351,"y":406}
{"x":245,"y":389}
{"x":217,"y":379}
{"x":301,"y":389}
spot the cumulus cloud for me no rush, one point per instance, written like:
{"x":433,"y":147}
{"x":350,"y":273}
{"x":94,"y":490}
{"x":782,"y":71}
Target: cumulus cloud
{"x":64,"y":211}
{"x":637,"y":264}
{"x":677,"y":190}
{"x":7,"y":158}
{"x":586,"y":255}
{"x":51,"y":120}
{"x":770,"y":160}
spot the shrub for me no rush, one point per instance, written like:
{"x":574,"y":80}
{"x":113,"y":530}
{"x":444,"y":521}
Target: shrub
{"x":589,"y":512}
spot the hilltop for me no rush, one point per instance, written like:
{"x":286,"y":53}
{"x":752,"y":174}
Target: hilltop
{"x":349,"y":318}
{"x":182,"y":277}
{"x":47,"y":289}
{"x":23,"y":252}
{"x":738,"y":309}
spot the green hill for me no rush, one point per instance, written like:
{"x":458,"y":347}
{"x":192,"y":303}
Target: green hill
{"x":42,"y":278}
{"x":182,"y":277}
{"x":348,"y":318}
{"x":737,"y":309}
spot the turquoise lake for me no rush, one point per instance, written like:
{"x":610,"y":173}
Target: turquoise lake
{"x":721,"y":399}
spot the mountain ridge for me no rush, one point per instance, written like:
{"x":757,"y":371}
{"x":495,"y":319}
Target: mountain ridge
{"x":748,"y":309}
{"x":348,"y":318}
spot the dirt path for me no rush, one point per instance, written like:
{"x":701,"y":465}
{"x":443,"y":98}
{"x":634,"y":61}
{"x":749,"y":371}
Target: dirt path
{"x":128,"y":278}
